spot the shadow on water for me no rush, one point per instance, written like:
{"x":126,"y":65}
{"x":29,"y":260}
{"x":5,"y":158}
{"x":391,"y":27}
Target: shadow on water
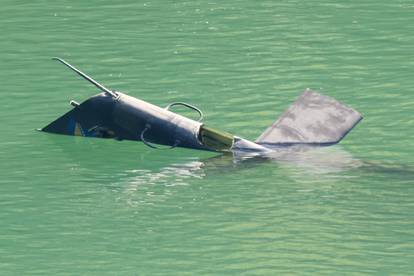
{"x":133,"y":175}
{"x":311,"y":162}
{"x":116,"y":161}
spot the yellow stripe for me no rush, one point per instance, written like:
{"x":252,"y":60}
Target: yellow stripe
{"x":78,"y":130}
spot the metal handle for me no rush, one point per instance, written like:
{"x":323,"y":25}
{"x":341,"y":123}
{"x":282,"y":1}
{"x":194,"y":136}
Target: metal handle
{"x":189,"y":106}
{"x":151,"y":145}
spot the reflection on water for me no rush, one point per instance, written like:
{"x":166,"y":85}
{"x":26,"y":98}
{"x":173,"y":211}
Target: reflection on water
{"x":319,"y":160}
{"x":302,"y":164}
{"x":148,"y":186}
{"x":137,"y":185}
{"x":145,"y":176}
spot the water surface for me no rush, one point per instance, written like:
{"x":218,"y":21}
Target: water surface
{"x":93,"y":207}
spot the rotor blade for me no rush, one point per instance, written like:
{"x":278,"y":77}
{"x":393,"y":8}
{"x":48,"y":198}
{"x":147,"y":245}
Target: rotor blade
{"x":86,"y":77}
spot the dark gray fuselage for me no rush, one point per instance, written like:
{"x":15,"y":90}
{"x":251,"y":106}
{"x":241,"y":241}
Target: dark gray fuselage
{"x":126,"y":118}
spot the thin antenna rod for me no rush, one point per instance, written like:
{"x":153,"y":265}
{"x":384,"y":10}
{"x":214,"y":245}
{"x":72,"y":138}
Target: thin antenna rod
{"x":86,"y":77}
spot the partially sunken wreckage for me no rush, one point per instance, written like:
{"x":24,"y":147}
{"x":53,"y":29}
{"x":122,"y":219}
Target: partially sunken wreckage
{"x":313,"y":119}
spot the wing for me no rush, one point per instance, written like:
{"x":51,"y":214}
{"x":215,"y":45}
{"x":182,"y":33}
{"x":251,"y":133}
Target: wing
{"x":311,"y":119}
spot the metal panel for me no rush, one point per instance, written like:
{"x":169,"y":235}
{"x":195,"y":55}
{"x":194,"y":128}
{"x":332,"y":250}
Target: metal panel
{"x":311,"y":119}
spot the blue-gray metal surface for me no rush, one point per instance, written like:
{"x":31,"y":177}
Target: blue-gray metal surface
{"x":312,"y":119}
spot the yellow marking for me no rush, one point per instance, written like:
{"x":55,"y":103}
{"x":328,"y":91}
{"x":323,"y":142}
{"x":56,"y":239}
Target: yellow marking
{"x":78,"y":130}
{"x":215,"y":139}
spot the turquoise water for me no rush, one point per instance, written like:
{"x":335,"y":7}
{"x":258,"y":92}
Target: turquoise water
{"x":71,"y":205}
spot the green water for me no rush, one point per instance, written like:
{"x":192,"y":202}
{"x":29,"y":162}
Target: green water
{"x":76,"y":206}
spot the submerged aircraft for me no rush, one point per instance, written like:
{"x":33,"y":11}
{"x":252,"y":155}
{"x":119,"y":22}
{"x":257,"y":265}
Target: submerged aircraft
{"x":313,"y":120}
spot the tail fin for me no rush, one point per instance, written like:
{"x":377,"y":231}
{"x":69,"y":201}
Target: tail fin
{"x":91,"y":118}
{"x":311,"y":119}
